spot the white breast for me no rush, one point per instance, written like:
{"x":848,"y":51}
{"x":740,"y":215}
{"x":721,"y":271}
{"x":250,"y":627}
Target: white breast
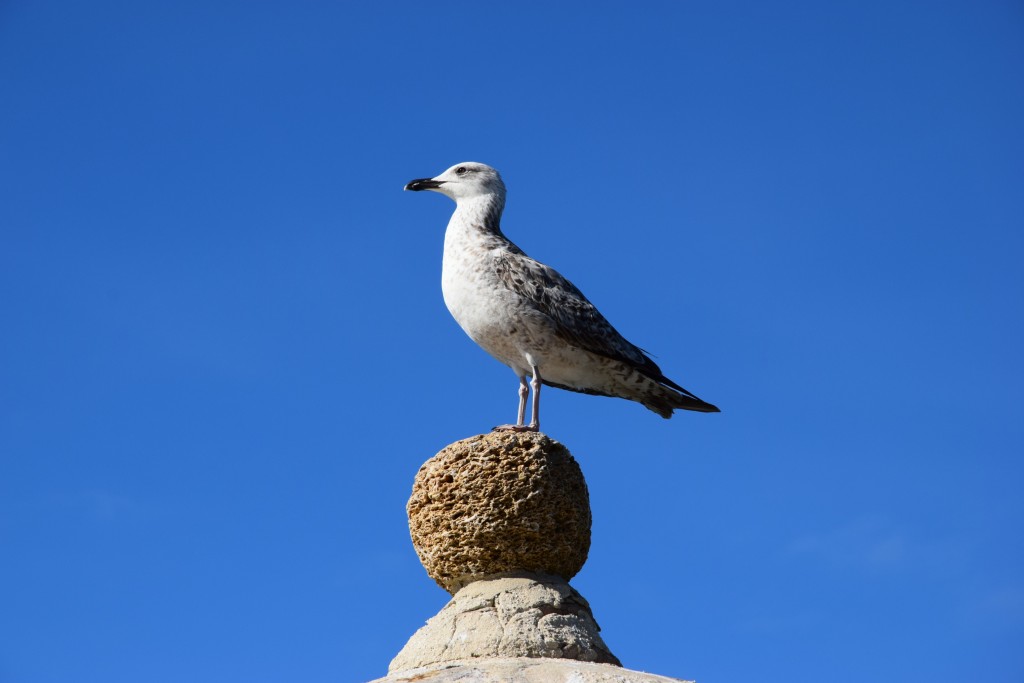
{"x":485,"y":309}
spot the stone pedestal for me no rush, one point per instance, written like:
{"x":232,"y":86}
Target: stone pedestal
{"x":521,"y":670}
{"x":502,"y":521}
{"x":500,"y":502}
{"x":524,"y":615}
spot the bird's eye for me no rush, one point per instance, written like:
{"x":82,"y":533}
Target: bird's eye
{"x":461,"y":170}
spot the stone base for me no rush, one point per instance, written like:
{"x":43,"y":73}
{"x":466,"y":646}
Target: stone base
{"x":513,"y":615}
{"x":496,"y":503}
{"x":523,"y":671}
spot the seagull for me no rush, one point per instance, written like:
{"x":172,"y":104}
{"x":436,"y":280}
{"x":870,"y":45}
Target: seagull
{"x":528,"y":316}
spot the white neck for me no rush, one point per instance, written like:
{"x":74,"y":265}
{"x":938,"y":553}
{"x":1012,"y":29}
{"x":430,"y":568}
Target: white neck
{"x":482,"y":211}
{"x":476,"y":221}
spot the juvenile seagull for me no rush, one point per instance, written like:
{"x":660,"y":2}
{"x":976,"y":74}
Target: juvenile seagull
{"x":528,"y":316}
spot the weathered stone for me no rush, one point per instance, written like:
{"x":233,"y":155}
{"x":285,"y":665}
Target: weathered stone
{"x":500,"y":502}
{"x":513,"y":616}
{"x":523,"y":671}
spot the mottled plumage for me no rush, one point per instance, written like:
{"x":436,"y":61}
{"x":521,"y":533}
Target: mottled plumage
{"x":528,"y":316}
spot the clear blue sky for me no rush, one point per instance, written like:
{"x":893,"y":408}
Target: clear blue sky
{"x":225,"y":352}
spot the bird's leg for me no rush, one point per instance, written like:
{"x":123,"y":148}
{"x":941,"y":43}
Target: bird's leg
{"x":535,"y":385}
{"x":524,"y":391}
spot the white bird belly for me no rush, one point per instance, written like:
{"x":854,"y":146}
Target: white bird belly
{"x":499,"y":320}
{"x":488,"y":313}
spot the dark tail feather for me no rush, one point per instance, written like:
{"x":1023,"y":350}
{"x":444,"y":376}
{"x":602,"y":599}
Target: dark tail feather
{"x":694,"y":403}
{"x":688,"y":401}
{"x":674,"y":397}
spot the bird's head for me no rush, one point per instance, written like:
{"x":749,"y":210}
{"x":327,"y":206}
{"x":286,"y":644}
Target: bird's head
{"x":467,"y":180}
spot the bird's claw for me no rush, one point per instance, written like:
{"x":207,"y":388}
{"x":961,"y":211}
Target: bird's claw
{"x":516,"y":428}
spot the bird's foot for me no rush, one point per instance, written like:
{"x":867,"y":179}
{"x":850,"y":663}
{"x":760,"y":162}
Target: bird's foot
{"x":516,"y":428}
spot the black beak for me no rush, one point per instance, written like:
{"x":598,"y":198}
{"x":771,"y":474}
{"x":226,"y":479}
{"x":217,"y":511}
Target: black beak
{"x":423,"y":184}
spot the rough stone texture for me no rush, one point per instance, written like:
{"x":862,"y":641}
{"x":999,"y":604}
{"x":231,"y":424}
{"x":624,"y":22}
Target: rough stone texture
{"x":523,"y":671}
{"x":514,"y":616}
{"x":497,"y":503}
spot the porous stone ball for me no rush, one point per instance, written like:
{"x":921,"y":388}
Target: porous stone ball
{"x":498,"y":503}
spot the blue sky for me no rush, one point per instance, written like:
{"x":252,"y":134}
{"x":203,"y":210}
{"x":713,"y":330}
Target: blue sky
{"x":225,"y":353}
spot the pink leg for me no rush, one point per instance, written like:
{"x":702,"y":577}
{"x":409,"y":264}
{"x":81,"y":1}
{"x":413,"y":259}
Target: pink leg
{"x":524,"y":391}
{"x":535,"y":384}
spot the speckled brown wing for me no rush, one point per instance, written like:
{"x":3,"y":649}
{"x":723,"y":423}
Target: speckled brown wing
{"x":577,"y":321}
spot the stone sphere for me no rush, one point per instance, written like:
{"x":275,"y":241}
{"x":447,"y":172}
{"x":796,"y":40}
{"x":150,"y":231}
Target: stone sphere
{"x":498,"y":503}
